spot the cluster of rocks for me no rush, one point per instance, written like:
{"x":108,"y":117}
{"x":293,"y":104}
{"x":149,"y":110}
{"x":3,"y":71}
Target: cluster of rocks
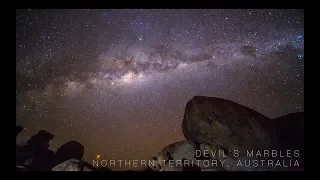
{"x":225,"y":136}
{"x":219,"y":134}
{"x":35,"y":155}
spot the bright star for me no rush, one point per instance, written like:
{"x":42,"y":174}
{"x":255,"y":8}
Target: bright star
{"x":300,"y":56}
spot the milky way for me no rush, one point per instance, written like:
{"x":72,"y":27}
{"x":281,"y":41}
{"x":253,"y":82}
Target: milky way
{"x":117,"y":81}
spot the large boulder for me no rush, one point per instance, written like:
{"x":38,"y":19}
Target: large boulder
{"x":35,"y":155}
{"x":41,"y":161}
{"x":290,"y":130}
{"x":70,"y":150}
{"x":39,"y":142}
{"x":74,"y":165}
{"x":226,"y":124}
{"x":220,"y":125}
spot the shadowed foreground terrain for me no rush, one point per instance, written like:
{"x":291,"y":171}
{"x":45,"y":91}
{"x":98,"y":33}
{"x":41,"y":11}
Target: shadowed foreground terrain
{"x":221,"y":135}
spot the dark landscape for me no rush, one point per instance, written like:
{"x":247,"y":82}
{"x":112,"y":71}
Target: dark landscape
{"x":220,"y":131}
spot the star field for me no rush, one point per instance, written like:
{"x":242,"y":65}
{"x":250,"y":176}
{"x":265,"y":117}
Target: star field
{"x":118,"y":80}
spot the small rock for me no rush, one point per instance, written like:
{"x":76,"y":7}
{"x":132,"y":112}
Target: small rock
{"x":170,"y":158}
{"x":73,"y":165}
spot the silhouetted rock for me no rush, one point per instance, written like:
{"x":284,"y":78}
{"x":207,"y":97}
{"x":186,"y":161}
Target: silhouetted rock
{"x":70,"y":150}
{"x":18,"y":130}
{"x":42,"y":161}
{"x":74,"y":165}
{"x":290,"y":130}
{"x":224,"y":123}
{"x":35,"y":155}
{"x":39,"y":142}
{"x":212,"y":126}
{"x":218,"y":125}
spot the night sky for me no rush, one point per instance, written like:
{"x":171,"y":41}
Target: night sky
{"x":117,"y":81}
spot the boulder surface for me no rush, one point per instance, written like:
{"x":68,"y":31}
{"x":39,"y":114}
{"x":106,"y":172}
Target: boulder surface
{"x":224,"y":123}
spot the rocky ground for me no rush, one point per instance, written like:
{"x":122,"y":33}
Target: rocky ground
{"x":220,"y":136}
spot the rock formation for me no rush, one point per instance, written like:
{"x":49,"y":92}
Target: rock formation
{"x":69,"y":150}
{"x":74,"y":165}
{"x":290,"y":130}
{"x":36,"y":155}
{"x":224,"y":123}
{"x":218,"y":135}
{"x":218,"y":124}
{"x":174,"y":153}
